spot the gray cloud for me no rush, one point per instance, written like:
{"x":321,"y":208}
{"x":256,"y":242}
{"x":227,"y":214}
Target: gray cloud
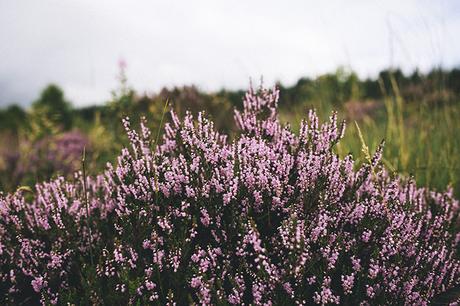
{"x":213,"y":44}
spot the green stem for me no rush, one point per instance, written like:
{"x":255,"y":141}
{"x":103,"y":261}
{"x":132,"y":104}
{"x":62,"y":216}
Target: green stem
{"x":88,"y":220}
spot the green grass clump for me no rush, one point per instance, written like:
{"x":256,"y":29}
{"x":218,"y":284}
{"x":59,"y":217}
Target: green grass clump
{"x":422,"y":139}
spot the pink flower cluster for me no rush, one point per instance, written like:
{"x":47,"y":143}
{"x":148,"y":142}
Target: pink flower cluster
{"x":270,"y":217}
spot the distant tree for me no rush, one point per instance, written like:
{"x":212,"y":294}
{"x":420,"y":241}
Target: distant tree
{"x":453,"y":81}
{"x":416,"y":77}
{"x":371,"y":89}
{"x":352,"y":87}
{"x":12,"y":118}
{"x":52,"y":105}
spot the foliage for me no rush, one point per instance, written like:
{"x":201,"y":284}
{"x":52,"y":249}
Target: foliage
{"x":12,"y":118}
{"x":54,"y":107}
{"x":415,"y":113}
{"x":270,"y":217}
{"x":43,"y":159}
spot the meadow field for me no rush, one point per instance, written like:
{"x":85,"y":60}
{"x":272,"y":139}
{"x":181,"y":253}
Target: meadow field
{"x":335,"y":190}
{"x":417,"y":116}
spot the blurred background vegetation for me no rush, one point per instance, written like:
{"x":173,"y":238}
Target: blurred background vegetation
{"x":417,"y":115}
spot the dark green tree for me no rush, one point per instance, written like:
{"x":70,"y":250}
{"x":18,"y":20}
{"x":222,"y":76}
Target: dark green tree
{"x":12,"y":118}
{"x":53,"y":106}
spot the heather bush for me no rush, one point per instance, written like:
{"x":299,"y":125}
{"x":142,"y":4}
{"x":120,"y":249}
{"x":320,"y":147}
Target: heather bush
{"x":270,"y":217}
{"x":57,"y":154}
{"x":32,"y":160}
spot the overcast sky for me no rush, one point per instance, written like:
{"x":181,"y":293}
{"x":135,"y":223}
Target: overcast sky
{"x":213,"y":44}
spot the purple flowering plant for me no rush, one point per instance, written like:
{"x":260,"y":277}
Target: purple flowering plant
{"x":269,"y":218}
